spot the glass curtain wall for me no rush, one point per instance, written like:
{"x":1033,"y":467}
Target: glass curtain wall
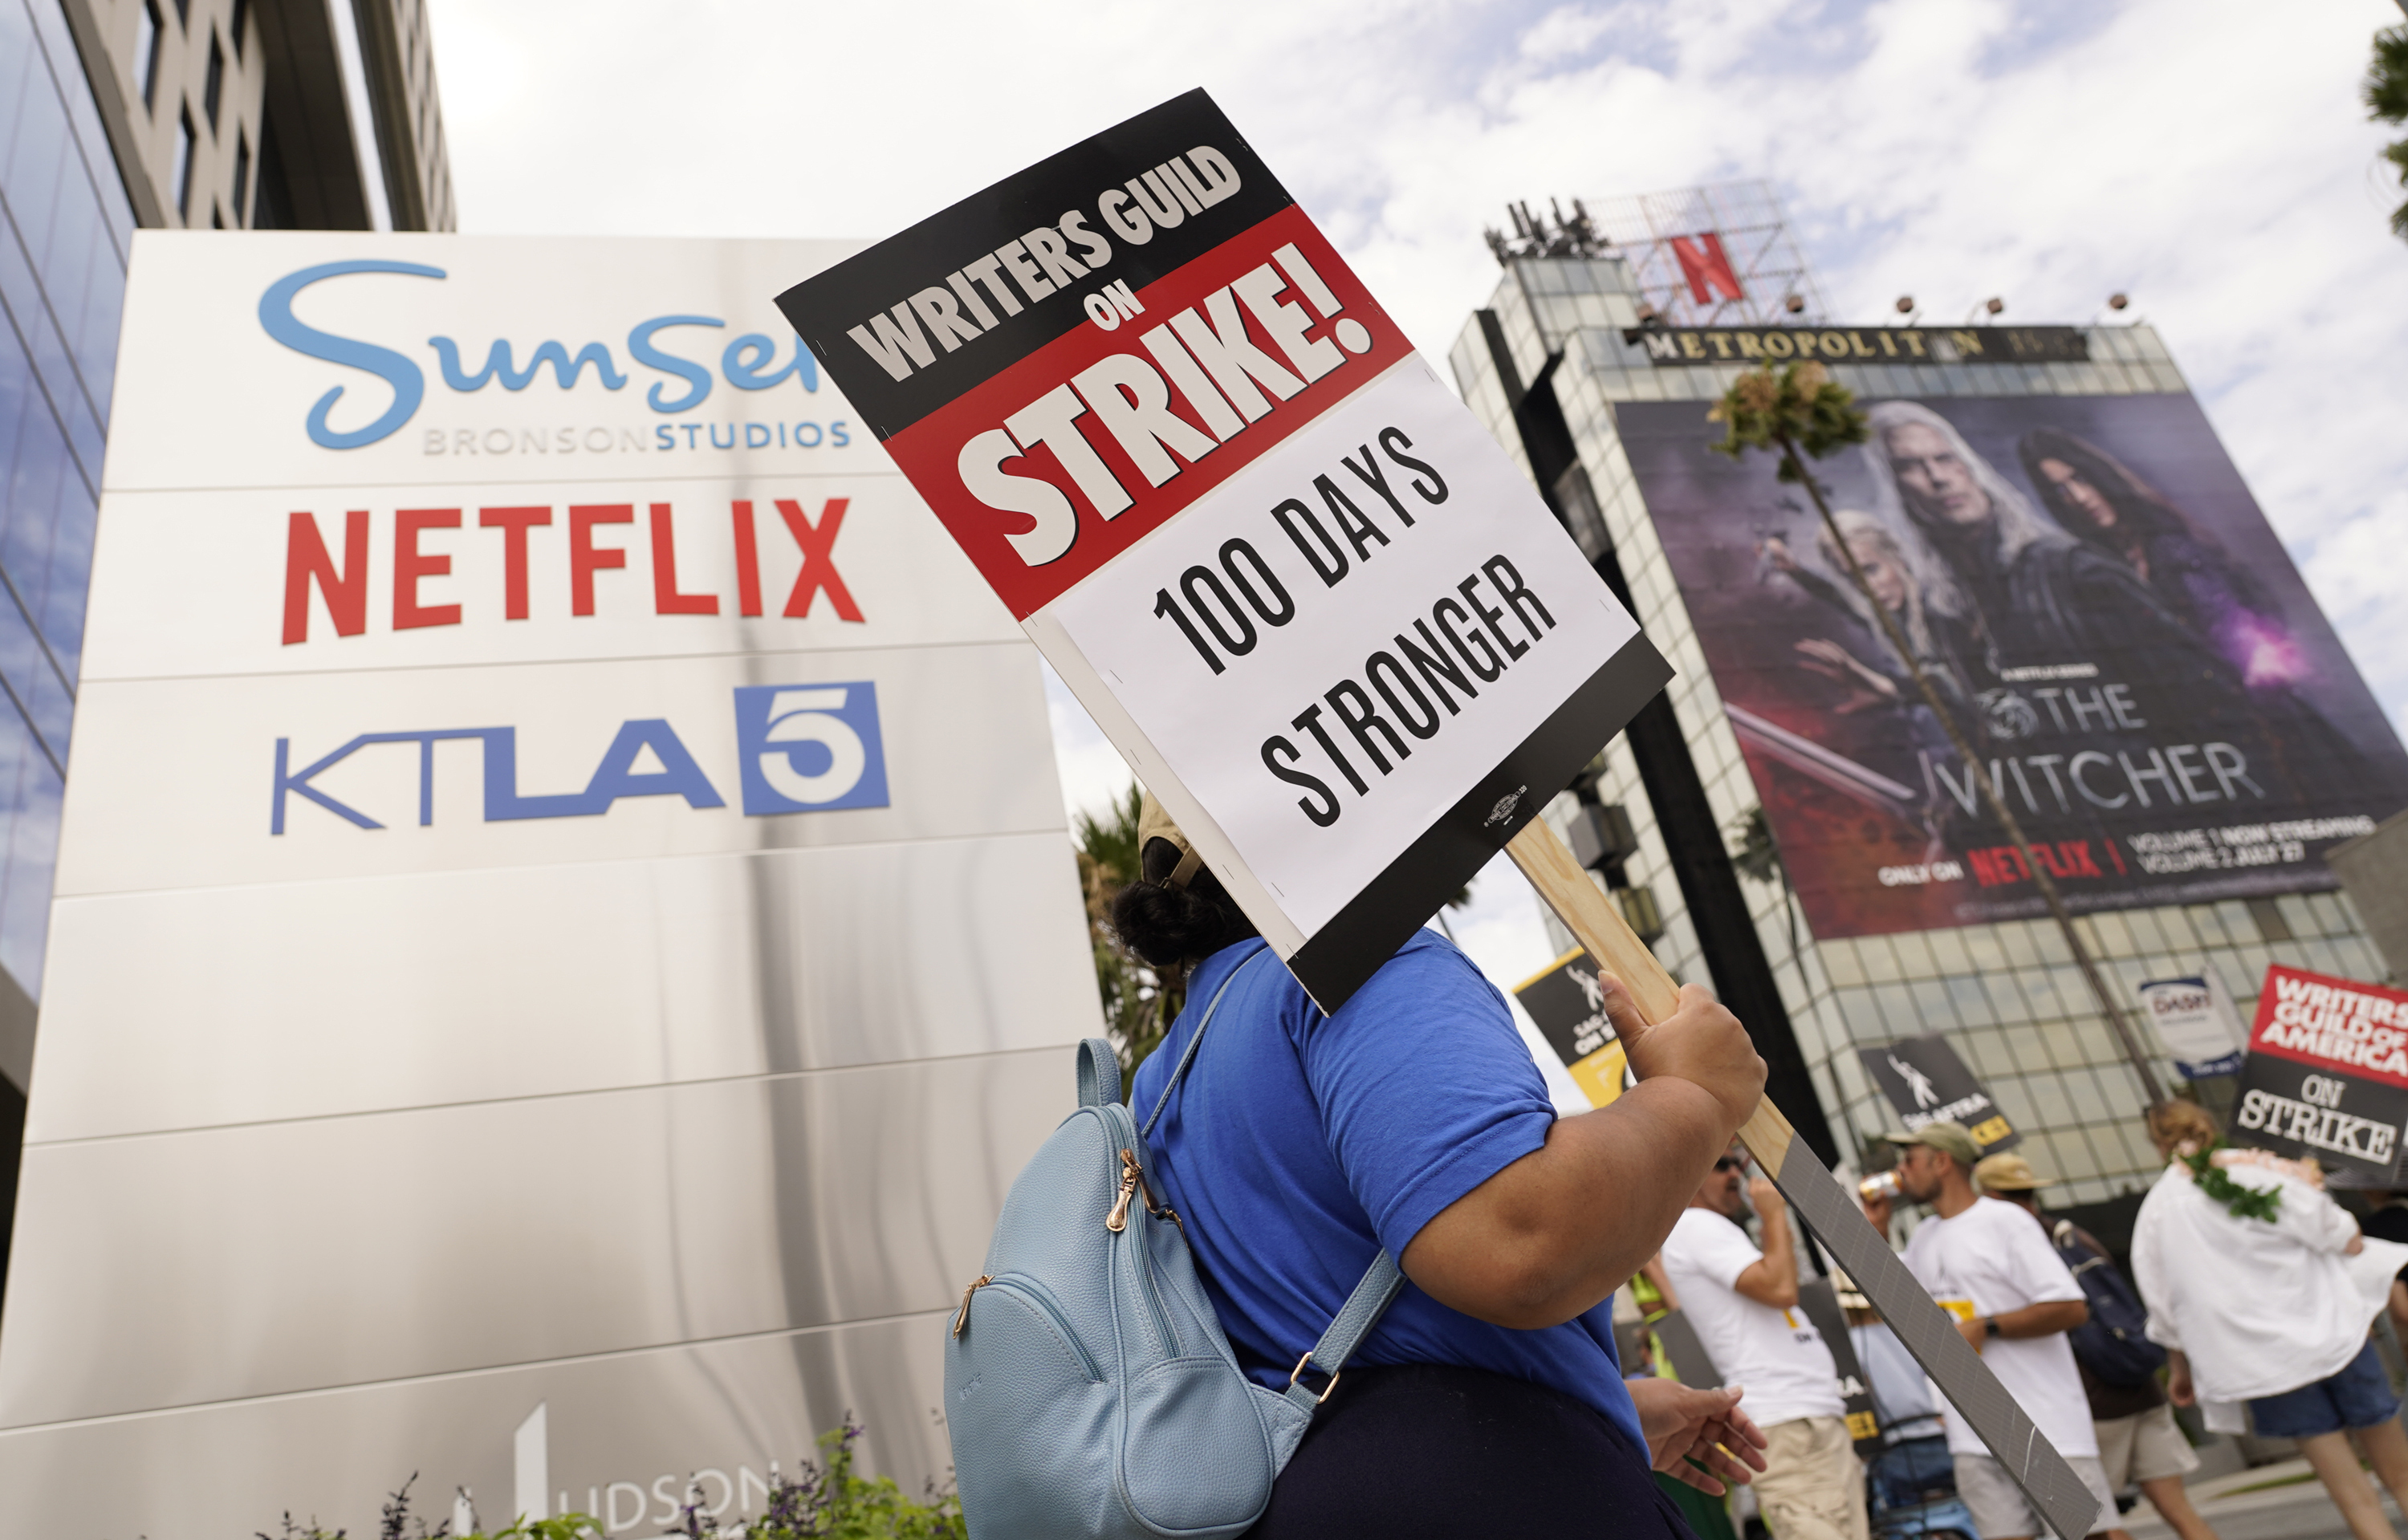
{"x":66,"y":227}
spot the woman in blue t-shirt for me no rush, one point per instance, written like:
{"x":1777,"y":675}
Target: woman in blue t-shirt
{"x":1488,"y":1400}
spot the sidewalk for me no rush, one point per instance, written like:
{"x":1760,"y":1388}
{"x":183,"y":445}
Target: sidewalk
{"x":2280,"y":1502}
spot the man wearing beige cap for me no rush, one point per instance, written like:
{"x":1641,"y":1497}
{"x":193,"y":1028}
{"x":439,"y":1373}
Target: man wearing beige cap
{"x":2138,"y":1441}
{"x":1991,"y":1268}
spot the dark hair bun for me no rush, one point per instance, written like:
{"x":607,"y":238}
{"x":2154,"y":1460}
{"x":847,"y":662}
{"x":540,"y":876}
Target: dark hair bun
{"x":1166,"y":926}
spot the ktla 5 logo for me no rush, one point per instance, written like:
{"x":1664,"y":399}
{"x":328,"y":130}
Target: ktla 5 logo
{"x":801,"y":749}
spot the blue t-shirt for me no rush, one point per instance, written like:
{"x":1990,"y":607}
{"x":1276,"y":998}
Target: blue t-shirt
{"x":1301,"y":1142}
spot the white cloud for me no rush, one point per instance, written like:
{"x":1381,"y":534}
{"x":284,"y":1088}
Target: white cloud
{"x":1499,"y":929}
{"x":2208,"y":156}
{"x":1565,"y":33}
{"x":2355,"y":570}
{"x":1094,"y":774}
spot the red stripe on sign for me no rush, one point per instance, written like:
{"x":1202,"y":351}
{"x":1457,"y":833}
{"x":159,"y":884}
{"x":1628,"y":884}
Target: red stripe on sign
{"x":1049,"y":469}
{"x":2333,"y":1024}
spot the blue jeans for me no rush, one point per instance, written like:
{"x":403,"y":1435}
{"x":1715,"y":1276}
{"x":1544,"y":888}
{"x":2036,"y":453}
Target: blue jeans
{"x":2359,"y":1396}
{"x":1905,"y":1472}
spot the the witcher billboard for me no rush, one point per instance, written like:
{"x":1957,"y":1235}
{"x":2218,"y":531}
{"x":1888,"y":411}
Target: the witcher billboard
{"x":2106,"y":614}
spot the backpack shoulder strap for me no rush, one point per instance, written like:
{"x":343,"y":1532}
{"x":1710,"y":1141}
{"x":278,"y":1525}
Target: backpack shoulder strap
{"x":1355,"y":1317}
{"x":1100,"y":1072}
{"x":1371,"y":1296}
{"x":1197,"y":1041}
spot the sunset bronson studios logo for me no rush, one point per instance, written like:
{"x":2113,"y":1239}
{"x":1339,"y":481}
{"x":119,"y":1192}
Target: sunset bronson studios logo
{"x":657,"y":348}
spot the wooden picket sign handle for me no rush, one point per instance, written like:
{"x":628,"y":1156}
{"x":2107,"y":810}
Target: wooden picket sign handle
{"x":1829,"y":1210}
{"x":1598,"y":925}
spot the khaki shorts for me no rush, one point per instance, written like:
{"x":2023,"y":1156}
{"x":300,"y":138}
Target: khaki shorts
{"x":1997,"y":1503}
{"x":1812,"y":1486}
{"x":2144,"y":1447}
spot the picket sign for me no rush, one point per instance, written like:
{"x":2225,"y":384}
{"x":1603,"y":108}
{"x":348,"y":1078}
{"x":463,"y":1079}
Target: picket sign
{"x":2326,"y":1077}
{"x":1311,"y":600}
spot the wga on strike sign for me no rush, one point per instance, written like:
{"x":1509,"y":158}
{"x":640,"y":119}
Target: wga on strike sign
{"x":2328,"y":1072}
{"x":1294,"y":580}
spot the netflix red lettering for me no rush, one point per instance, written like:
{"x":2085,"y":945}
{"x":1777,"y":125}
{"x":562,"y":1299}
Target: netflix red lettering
{"x":585,"y":558}
{"x":2066,"y":860}
{"x":667,"y":600}
{"x":1705,"y":267}
{"x":345,"y":588}
{"x":514,"y":524}
{"x":421,"y":570}
{"x":409,"y":565}
{"x":819,"y":565}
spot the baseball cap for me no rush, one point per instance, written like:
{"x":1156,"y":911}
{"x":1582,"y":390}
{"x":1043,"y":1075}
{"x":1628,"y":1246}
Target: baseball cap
{"x":1948,"y":1138}
{"x":1154,"y":824}
{"x":2008,"y":1172}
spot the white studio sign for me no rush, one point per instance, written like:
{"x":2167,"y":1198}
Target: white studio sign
{"x":518,"y":768}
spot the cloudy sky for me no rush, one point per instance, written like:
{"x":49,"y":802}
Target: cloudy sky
{"x":2207,"y":156}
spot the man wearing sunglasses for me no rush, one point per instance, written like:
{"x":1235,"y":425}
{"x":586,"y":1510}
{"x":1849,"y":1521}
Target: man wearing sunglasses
{"x":1743,"y":1304}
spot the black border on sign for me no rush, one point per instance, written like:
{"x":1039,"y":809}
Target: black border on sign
{"x":1342,"y":955}
{"x":823,"y":308}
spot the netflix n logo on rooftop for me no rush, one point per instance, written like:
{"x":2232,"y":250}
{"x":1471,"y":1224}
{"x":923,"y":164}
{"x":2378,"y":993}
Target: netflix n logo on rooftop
{"x":1705,"y":267}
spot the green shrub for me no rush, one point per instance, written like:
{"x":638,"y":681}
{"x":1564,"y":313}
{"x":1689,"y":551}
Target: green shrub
{"x":821,"y":1502}
{"x":836,"y":1504}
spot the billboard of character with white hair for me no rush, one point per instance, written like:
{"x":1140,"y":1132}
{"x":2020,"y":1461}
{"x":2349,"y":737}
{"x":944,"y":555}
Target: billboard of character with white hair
{"x":2101,"y":610}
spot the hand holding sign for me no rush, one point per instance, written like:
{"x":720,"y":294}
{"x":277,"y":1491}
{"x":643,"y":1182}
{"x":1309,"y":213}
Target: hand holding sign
{"x":1308,"y":597}
{"x":1763,"y":1196}
{"x":1700,"y":1042}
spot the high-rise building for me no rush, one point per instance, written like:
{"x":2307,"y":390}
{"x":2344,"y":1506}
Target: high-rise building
{"x":171,"y":114}
{"x":2082,"y":572}
{"x":269,"y":114}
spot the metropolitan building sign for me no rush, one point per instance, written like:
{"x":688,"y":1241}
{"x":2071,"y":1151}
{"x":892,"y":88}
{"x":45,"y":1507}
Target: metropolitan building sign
{"x":1862,"y":344}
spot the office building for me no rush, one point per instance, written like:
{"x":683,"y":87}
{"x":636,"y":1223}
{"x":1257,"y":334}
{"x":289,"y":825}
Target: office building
{"x":1802,"y":834}
{"x":162,"y":114}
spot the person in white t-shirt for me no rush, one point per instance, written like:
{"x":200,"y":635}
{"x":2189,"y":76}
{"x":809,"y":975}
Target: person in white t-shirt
{"x":1743,"y":1304}
{"x":1994,"y":1269}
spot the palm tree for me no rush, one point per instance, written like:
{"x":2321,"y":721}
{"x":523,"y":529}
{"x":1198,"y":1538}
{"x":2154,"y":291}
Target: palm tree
{"x":1800,"y":413}
{"x":2386,"y":95}
{"x":1139,"y":1003}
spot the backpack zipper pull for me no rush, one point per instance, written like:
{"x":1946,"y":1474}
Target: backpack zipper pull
{"x":962,"y":1322}
{"x":1117,"y":1221}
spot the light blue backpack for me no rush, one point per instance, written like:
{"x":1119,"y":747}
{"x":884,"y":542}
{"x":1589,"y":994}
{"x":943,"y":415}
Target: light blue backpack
{"x":1089,"y":1389}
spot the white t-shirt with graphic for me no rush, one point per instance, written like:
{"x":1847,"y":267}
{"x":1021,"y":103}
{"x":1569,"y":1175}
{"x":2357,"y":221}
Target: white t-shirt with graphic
{"x":1996,"y":1256}
{"x":1777,"y":1355}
